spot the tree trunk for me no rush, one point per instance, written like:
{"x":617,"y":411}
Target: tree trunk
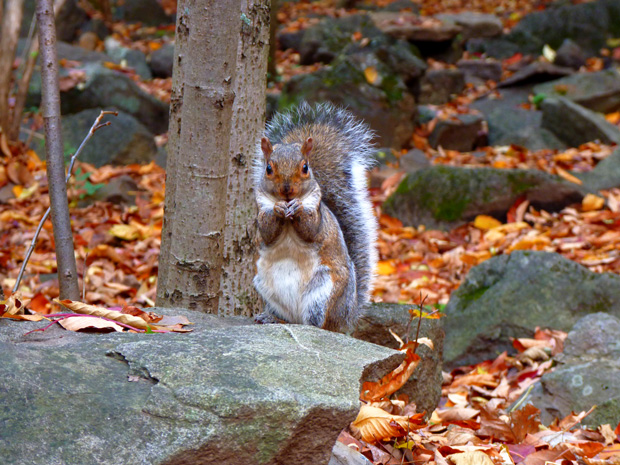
{"x":238,"y":295}
{"x":11,"y":21}
{"x":50,"y":108}
{"x":195,"y":209}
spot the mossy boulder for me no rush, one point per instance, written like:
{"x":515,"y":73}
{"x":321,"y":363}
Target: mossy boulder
{"x":510,"y":295}
{"x":443,"y":197}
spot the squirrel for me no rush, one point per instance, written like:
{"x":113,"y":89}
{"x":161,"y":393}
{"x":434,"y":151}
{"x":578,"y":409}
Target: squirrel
{"x":317,"y":231}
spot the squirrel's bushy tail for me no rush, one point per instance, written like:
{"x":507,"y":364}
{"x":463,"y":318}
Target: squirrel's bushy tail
{"x":341,"y":157}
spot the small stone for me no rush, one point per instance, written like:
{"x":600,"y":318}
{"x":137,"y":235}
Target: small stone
{"x":482,"y":69}
{"x":576,"y":125}
{"x":474,"y":25}
{"x":461,"y":132}
{"x":570,"y":55}
{"x":438,"y":86}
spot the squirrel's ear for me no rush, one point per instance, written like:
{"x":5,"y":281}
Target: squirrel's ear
{"x":307,"y":147}
{"x":266,"y":147}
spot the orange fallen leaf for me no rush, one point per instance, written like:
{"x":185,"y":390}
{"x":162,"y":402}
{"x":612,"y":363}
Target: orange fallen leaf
{"x":385,"y":267}
{"x":592,"y":202}
{"x":486,"y":222}
{"x":374,"y":424}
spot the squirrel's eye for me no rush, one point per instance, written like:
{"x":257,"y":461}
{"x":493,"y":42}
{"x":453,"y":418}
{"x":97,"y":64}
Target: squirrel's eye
{"x":269,"y":169}
{"x":304,"y":169}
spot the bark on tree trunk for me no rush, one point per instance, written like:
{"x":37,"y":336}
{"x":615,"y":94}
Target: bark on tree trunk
{"x":195,"y":209}
{"x":11,"y":21}
{"x":238,"y":295}
{"x":50,"y":108}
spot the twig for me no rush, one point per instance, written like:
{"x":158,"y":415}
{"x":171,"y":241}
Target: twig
{"x":96,"y":126}
{"x":522,"y":399}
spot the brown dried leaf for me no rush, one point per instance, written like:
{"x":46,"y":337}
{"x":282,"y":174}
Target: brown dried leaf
{"x":373,"y":424}
{"x":80,"y":307}
{"x":474,"y":457}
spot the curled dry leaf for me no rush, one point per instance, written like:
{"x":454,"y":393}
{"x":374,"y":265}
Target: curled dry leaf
{"x":14,"y":305}
{"x":473,"y":457}
{"x":392,"y":382}
{"x":78,"y":323}
{"x":80,"y":307}
{"x":373,"y":424}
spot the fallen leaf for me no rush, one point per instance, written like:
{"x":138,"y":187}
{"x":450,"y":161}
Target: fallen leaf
{"x":78,"y":323}
{"x":80,"y":307}
{"x":474,"y":457}
{"x":486,"y":222}
{"x":373,"y":424}
{"x":592,"y":202}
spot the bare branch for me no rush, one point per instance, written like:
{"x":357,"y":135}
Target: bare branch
{"x":96,"y":125}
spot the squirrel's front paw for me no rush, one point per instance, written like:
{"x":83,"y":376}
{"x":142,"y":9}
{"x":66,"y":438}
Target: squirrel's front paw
{"x":281,"y":209}
{"x":293,"y":208}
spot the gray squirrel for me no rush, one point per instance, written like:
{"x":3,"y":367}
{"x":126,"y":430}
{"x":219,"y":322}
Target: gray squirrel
{"x":317,"y":231}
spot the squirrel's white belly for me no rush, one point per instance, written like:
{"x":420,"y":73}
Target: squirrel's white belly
{"x":283,"y":272}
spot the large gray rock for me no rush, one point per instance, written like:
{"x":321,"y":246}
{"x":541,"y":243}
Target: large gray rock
{"x":589,"y":25}
{"x":132,"y":58}
{"x":107,"y":88}
{"x":537,"y":71}
{"x":510,"y":295}
{"x":409,"y":26}
{"x":481,"y":69}
{"x":104,"y":87}
{"x":599,"y":91}
{"x":576,"y":125}
{"x":445,"y":196}
{"x":424,"y":386}
{"x":123,"y":142}
{"x":220,"y":395}
{"x":605,"y":175}
{"x":510,"y":123}
{"x":386,"y":106}
{"x":587,"y":374}
{"x":474,"y":24}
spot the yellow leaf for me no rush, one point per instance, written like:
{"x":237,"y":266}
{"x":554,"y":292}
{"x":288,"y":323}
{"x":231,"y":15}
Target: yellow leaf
{"x":371,"y":75}
{"x":473,"y":457}
{"x":613,"y":118}
{"x":569,"y":177}
{"x":385,"y":267}
{"x":25,"y":193}
{"x":486,"y":222}
{"x":126,"y":232}
{"x":17,"y":190}
{"x":373,"y":424}
{"x":592,"y":202}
